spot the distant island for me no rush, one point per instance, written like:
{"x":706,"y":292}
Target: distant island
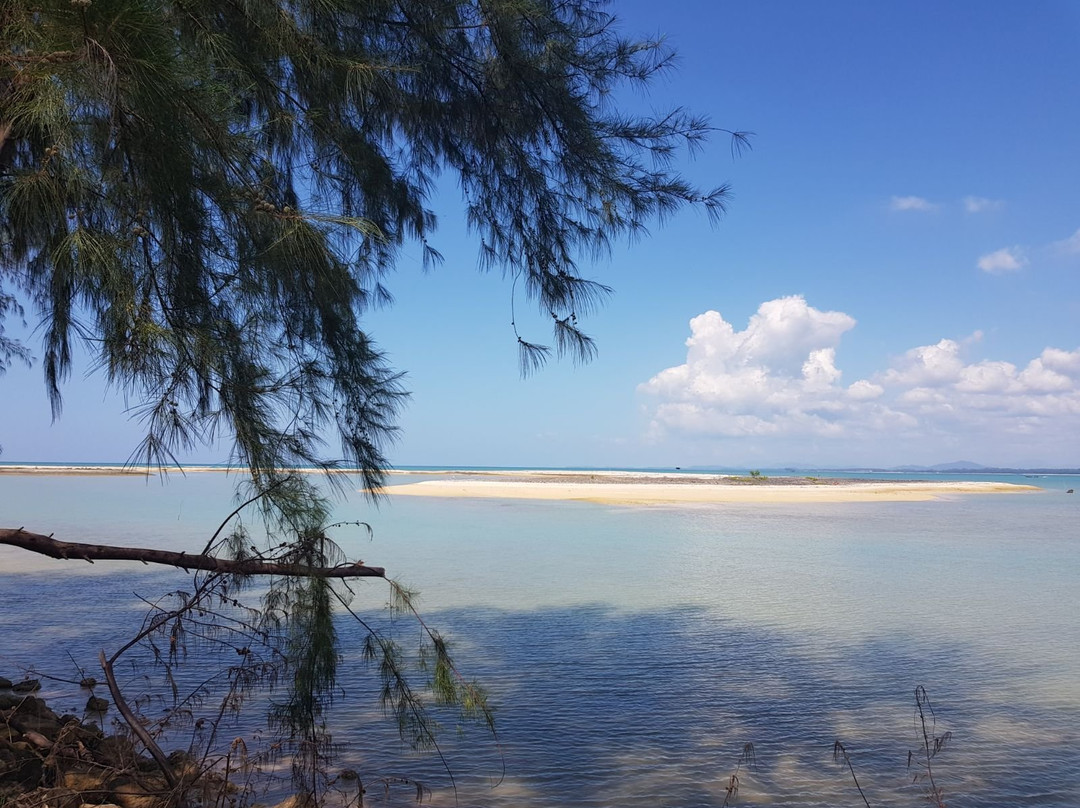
{"x":956,"y":467}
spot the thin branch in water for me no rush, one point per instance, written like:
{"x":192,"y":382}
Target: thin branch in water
{"x":747,"y":757}
{"x":932,"y":743}
{"x":410,"y":702}
{"x":840,"y":755}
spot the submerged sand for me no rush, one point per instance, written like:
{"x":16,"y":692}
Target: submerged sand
{"x":644,"y":488}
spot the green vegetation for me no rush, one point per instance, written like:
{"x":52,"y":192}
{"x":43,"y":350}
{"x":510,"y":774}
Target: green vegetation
{"x":753,"y":476}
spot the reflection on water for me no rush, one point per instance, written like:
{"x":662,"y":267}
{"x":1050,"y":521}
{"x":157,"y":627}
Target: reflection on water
{"x":632,"y":652}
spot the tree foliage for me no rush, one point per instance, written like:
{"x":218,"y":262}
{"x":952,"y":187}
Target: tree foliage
{"x":209,"y":195}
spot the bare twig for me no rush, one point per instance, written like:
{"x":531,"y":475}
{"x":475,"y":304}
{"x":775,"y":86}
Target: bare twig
{"x":747,"y":757}
{"x":932,"y":744}
{"x":840,"y":754}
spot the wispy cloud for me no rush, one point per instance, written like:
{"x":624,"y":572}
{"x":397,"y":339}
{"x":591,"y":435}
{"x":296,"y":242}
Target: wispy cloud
{"x":778,"y":378}
{"x":908,"y":203}
{"x":999,"y":262}
{"x":1068,"y":246}
{"x":980,"y":204}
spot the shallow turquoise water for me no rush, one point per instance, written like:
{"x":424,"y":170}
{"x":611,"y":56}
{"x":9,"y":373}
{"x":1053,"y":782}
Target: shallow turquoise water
{"x":631,"y":652}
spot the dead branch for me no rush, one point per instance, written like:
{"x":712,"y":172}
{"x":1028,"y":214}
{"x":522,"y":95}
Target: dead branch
{"x":48,"y":546}
{"x":136,"y":725}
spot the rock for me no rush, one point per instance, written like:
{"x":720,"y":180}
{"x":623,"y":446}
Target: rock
{"x":5,"y":684}
{"x":19,"y":763}
{"x":38,"y":740}
{"x":28,"y":705}
{"x":186,"y":768}
{"x":9,"y":760}
{"x":130,"y":794}
{"x":295,"y":801}
{"x":145,"y":763}
{"x":27,"y":686}
{"x":31,"y":715}
{"x":94,"y":704}
{"x":90,"y":734}
{"x":117,"y":752}
{"x":91,"y":784}
{"x":51,"y":797}
{"x":43,"y":724}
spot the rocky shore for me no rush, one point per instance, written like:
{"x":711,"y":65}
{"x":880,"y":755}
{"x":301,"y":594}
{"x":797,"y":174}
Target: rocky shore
{"x":64,"y":761}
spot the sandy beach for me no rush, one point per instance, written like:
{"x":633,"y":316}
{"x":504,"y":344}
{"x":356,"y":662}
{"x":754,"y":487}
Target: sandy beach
{"x":645,"y":488}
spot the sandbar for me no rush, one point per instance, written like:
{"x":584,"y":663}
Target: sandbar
{"x":617,"y":487}
{"x":644,"y":488}
{"x":104,"y":470}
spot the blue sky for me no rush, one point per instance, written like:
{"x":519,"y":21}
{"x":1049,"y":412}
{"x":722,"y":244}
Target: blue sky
{"x":897,"y":280}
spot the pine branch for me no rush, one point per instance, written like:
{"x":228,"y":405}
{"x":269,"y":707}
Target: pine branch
{"x":48,"y":546}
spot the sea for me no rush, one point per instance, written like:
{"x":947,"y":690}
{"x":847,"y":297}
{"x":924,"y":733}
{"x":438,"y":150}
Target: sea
{"x":634,"y":655}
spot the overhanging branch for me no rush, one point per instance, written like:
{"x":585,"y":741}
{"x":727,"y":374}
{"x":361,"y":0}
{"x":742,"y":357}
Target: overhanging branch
{"x":48,"y":546}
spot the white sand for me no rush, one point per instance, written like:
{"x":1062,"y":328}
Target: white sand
{"x":717,"y":490}
{"x":625,"y":487}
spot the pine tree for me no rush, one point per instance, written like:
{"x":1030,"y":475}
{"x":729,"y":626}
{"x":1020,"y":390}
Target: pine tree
{"x":210,"y":193}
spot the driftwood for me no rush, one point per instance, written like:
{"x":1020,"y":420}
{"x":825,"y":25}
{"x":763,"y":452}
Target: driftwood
{"x":48,"y":546}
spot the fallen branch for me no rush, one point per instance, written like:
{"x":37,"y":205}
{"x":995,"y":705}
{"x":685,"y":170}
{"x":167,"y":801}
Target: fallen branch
{"x":48,"y":546}
{"x":135,"y":724}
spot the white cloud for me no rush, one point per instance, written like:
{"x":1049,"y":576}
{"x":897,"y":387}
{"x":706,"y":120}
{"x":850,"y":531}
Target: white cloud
{"x":1066,"y":362}
{"x":863,"y":390}
{"x":1068,"y":246}
{"x":777,"y":376}
{"x":1007,"y":259}
{"x":927,"y":365}
{"x":905,"y":203}
{"x":778,"y":380}
{"x":980,"y":204}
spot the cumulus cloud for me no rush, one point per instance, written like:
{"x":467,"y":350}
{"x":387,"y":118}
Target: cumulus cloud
{"x":862,"y":390}
{"x":927,"y":365}
{"x":1007,"y":259}
{"x":777,"y":375}
{"x":917,"y":203}
{"x":980,"y":204}
{"x":779,"y":378}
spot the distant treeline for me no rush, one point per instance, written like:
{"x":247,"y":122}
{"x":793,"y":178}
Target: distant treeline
{"x":979,"y":470}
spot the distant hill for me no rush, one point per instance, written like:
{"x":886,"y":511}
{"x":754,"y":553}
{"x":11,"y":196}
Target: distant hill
{"x":957,"y":468}
{"x":958,"y":465}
